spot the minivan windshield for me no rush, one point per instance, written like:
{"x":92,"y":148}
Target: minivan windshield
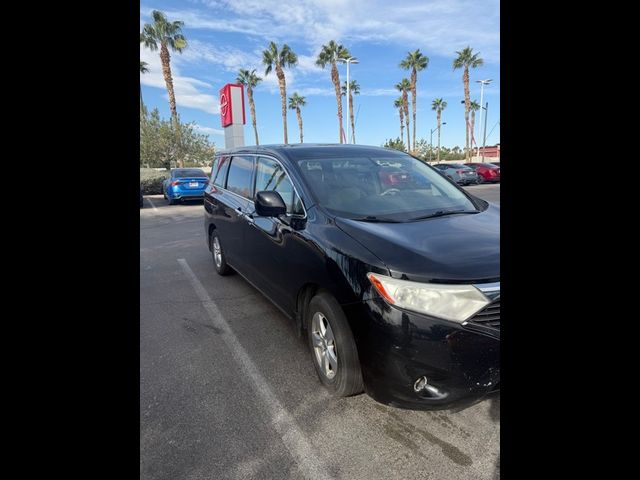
{"x":393,"y":188}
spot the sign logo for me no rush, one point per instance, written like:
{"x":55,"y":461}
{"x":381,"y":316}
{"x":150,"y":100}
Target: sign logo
{"x":224,"y":105}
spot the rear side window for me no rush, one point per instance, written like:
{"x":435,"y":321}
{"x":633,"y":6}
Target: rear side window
{"x":219,"y":170}
{"x":240,"y":175}
{"x":272,"y":177}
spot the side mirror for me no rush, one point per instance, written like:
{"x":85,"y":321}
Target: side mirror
{"x":270,"y":204}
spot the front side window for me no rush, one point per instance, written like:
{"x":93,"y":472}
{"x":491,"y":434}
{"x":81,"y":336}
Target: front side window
{"x":240,"y":174}
{"x":381,"y":187}
{"x":272,"y":177}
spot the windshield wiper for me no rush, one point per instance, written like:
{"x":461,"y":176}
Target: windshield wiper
{"x":373,"y":219}
{"x":442,"y":213}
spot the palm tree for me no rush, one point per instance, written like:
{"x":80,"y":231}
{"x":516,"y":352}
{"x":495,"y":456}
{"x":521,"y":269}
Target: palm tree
{"x":354,"y":89}
{"x":404,"y":86}
{"x":143,"y":70}
{"x":415,"y":61}
{"x":473,"y":107}
{"x":332,"y":53}
{"x":249,"y":79}
{"x":295,"y":102}
{"x":399,"y":104}
{"x":438,"y":105}
{"x":466,"y":58}
{"x":276,"y":58}
{"x":169,"y":36}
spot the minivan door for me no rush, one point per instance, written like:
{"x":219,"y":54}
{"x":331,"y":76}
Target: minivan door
{"x":233,"y":204}
{"x":272,"y":244}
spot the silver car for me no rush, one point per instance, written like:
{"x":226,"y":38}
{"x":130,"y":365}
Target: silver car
{"x":459,"y":173}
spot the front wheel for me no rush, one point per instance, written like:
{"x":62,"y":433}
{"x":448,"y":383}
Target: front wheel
{"x":333,"y":349}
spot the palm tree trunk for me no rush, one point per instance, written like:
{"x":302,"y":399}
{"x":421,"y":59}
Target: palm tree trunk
{"x":335,"y":77}
{"x":283,"y":97}
{"x":141,"y":103}
{"x":471,"y":126}
{"x":165,"y":59}
{"x":405,"y":97}
{"x":414,"y":80}
{"x":353,"y":123}
{"x":299,"y":122}
{"x":439,"y":113}
{"x":252,"y":107}
{"x":465,"y":80}
{"x":401,"y":123}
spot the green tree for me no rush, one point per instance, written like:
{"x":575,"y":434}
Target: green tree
{"x":279,"y":58}
{"x":404,"y":86}
{"x":160,"y":146}
{"x":422,"y":149}
{"x":438,"y":105}
{"x":396,"y":144}
{"x":467,"y":59}
{"x":354,"y":89}
{"x":414,"y":61}
{"x":295,"y":102}
{"x":331,"y":54}
{"x":250,"y":79}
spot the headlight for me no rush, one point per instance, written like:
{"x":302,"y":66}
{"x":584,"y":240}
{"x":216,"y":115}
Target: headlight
{"x":451,"y":302}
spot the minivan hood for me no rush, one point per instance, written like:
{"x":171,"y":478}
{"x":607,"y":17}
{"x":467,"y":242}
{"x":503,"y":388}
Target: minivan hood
{"x":456,"y":248}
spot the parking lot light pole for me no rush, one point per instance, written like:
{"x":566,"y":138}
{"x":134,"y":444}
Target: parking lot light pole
{"x":484,"y":140}
{"x":349,"y":61}
{"x":431,"y":140}
{"x":482,"y":84}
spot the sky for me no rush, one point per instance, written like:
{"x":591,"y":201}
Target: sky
{"x":224,"y":36}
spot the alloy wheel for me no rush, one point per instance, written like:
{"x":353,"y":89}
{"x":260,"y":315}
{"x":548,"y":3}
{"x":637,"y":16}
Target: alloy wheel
{"x":324,"y":345}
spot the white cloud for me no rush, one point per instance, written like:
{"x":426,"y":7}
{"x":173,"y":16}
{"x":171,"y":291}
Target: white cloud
{"x":209,"y":130}
{"x":325,"y":92}
{"x":438,"y":27}
{"x":379,"y":92}
{"x":190,"y":92}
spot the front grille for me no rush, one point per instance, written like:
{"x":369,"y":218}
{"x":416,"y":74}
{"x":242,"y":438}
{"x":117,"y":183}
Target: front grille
{"x":489,"y":315}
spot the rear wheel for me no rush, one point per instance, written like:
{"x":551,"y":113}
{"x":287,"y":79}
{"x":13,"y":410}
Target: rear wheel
{"x":333,"y":349}
{"x":219,"y":259}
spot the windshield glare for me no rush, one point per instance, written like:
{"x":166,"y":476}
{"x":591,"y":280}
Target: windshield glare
{"x":398,"y":187}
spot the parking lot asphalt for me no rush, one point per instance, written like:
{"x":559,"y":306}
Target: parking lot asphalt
{"x":228,"y":391}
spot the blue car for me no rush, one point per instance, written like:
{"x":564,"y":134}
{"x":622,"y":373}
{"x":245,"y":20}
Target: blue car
{"x":184,"y":184}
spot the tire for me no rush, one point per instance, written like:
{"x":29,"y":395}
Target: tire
{"x":335,"y":343}
{"x":220,"y":262}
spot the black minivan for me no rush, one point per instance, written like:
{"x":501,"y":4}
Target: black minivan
{"x":390,"y":270}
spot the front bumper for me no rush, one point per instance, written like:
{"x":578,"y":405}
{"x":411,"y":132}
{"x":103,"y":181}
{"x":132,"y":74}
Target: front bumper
{"x":396,"y":347}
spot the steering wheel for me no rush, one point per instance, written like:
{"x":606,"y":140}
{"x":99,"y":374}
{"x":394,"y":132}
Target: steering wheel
{"x":390,"y":190}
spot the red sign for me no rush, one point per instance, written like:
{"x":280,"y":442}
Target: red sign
{"x":232,"y":104}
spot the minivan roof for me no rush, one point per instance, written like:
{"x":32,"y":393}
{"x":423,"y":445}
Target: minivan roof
{"x":310,"y":150}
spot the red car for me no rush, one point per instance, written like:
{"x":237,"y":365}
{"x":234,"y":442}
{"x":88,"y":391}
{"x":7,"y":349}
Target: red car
{"x":486,"y":171}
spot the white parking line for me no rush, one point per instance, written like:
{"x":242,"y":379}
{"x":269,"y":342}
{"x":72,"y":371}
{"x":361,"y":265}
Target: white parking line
{"x":154,"y":207}
{"x":293,"y":438}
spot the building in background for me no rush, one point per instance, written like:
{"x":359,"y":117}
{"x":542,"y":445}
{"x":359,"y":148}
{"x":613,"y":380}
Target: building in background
{"x":492,"y":152}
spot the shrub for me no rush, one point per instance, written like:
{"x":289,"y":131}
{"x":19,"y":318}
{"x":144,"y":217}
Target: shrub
{"x":151,"y":180}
